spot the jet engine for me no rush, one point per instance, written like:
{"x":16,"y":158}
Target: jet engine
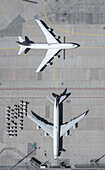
{"x":75,"y":126}
{"x":67,"y":133}
{"x":50,"y":29}
{"x":57,"y":37}
{"x":57,"y":56}
{"x":46,"y":134}
{"x":50,"y":63}
{"x":37,"y":127}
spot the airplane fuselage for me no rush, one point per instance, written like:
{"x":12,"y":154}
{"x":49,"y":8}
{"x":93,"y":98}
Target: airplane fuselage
{"x":56,"y":130}
{"x":50,"y":45}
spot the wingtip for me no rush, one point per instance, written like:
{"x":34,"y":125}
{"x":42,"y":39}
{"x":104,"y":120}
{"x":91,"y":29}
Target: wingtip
{"x":37,"y":20}
{"x":87,"y":112}
{"x":19,"y":52}
{"x":37,"y":71}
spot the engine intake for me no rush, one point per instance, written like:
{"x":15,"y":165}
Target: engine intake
{"x":57,"y":37}
{"x":50,"y":63}
{"x":57,"y":56}
{"x":50,"y":29}
{"x":38,"y":127}
{"x":75,"y":126}
{"x":67,"y":133}
{"x":46,"y":134}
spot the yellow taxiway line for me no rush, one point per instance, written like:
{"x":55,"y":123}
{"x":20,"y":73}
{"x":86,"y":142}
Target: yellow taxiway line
{"x":72,"y":33}
{"x":57,"y":74}
{"x":9,"y":48}
{"x":66,"y":30}
{"x":8,"y":8}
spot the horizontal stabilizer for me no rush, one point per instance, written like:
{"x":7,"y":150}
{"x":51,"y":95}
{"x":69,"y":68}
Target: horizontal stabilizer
{"x":63,"y":150}
{"x":55,"y":95}
{"x":60,"y":98}
{"x":20,"y":39}
{"x":22,"y":48}
{"x":64,"y":128}
{"x":51,"y":99}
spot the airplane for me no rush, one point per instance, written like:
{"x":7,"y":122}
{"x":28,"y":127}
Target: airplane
{"x":53,"y":45}
{"x":55,"y":130}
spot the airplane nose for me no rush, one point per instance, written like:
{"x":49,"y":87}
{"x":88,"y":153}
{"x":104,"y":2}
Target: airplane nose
{"x":56,"y":157}
{"x":76,"y":45}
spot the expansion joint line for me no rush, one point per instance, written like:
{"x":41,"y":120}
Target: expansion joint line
{"x":28,"y":24}
{"x":66,"y":30}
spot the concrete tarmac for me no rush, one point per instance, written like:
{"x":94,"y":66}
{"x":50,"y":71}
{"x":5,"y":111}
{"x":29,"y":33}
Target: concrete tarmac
{"x":82,"y":72}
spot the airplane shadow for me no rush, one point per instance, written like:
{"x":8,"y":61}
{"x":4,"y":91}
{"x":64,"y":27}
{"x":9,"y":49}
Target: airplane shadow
{"x":60,"y":123}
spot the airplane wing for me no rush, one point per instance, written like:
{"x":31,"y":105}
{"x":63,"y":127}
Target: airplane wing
{"x":64,"y":128}
{"x":46,"y":127}
{"x":49,"y":56}
{"x":49,"y":36}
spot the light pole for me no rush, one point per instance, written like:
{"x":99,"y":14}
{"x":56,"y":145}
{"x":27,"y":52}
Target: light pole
{"x":24,"y":158}
{"x":95,"y":161}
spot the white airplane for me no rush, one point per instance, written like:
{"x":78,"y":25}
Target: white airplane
{"x":55,"y":130}
{"x":53,"y":45}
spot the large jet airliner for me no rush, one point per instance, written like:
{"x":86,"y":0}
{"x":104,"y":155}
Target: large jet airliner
{"x":55,"y":130}
{"x":53,"y":45}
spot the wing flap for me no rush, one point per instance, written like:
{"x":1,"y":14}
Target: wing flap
{"x":46,"y":127}
{"x":49,"y":55}
{"x":49,"y":37}
{"x":64,"y":128}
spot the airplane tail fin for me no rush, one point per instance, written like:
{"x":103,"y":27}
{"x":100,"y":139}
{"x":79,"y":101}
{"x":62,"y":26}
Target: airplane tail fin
{"x":60,"y":98}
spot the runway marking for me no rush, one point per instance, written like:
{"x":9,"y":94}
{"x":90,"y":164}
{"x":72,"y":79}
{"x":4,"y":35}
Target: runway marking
{"x":66,"y":30}
{"x":8,"y":8}
{"x":28,"y":24}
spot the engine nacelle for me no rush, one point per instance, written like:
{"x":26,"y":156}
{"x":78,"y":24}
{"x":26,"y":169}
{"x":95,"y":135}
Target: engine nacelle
{"x":57,"y":37}
{"x":50,"y":29}
{"x":46,"y":134}
{"x":37,"y":127}
{"x":67,"y":133}
{"x":50,"y":63}
{"x":75,"y":126}
{"x":57,"y":56}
